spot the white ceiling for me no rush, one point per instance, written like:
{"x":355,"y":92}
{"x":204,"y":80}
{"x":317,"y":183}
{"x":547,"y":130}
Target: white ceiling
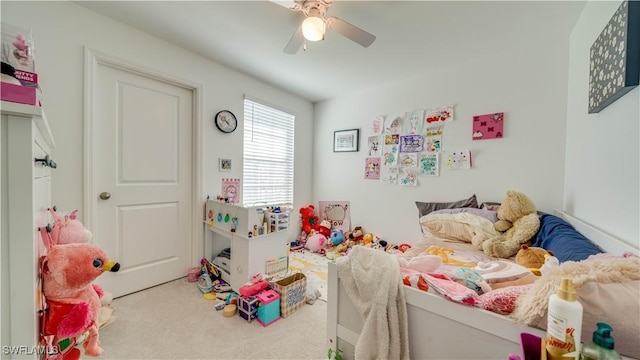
{"x":412,"y":36}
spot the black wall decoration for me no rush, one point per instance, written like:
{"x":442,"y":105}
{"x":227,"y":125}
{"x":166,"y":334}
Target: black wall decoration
{"x":615,"y":58}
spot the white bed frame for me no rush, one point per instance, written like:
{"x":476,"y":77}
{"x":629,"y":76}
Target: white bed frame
{"x":442,"y":329}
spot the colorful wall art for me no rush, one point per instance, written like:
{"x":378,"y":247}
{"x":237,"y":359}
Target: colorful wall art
{"x":488,"y":126}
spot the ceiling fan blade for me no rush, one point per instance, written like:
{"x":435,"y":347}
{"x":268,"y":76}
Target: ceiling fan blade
{"x":350,"y":31}
{"x":295,"y":42}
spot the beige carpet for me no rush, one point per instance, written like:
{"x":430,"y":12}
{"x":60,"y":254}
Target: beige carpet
{"x":314,"y":267}
{"x":174,"y":321}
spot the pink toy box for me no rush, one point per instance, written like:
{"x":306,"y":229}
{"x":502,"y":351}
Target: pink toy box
{"x":20,"y":94}
{"x":269,"y":308}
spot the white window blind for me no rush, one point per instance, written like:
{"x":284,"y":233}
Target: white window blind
{"x":268,"y":155}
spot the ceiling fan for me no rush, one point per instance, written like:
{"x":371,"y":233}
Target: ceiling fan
{"x":315,"y":24}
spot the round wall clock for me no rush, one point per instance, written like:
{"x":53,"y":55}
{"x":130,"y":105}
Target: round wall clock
{"x":226,"y":121}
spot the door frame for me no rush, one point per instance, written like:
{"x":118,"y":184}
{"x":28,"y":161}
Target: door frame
{"x":92,"y":59}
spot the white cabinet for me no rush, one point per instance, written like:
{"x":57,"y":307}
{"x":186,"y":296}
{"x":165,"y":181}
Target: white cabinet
{"x":25,"y":197}
{"x":278,"y":221}
{"x":249,"y":255}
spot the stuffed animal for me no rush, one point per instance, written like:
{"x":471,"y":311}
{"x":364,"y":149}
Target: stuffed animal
{"x":336,"y":238}
{"x":337,"y":251}
{"x":532,"y":257}
{"x":309,"y":219}
{"x":316,"y":242}
{"x":67,"y":229}
{"x":357,"y":234}
{"x":518,"y":223}
{"x":72,"y":300}
{"x":325,"y":228}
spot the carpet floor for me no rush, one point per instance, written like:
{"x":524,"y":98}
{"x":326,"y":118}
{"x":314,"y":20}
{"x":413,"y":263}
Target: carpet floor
{"x":175,"y":321}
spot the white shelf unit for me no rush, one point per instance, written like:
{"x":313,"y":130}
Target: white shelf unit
{"x":25,"y":196}
{"x":278,"y":221}
{"x":249,"y":255}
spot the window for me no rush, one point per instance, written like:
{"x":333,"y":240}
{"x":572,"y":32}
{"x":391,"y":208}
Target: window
{"x":268,"y":155}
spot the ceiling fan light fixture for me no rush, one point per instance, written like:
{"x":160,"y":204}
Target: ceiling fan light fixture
{"x":313,"y":28}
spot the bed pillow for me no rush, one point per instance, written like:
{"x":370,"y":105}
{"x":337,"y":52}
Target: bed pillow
{"x":425,"y":208}
{"x":566,"y":242}
{"x":487,"y":205}
{"x":490,"y":215}
{"x":461,"y":226}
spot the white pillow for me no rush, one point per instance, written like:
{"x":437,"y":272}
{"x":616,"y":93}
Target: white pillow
{"x":461,"y":226}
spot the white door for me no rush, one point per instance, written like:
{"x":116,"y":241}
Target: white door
{"x":142,"y":178}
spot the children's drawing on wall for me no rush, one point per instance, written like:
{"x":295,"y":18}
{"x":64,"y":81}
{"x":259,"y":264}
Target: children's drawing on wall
{"x":408,"y":177}
{"x":393,"y":125}
{"x":438,"y":115}
{"x":337,"y":212}
{"x":435,"y":131}
{"x":377,"y":124}
{"x":390,"y":155}
{"x":372,"y":168}
{"x":408,"y":159}
{"x":413,"y":122}
{"x":411,"y":143}
{"x":433,"y":139}
{"x":459,"y":160}
{"x":389,"y":175}
{"x":391,"y":139}
{"x":433,"y":144}
{"x":428,"y":164}
{"x":375,"y":147}
{"x":488,"y":126}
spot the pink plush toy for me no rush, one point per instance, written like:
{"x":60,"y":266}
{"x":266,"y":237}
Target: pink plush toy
{"x":68,"y":229}
{"x":316,"y":242}
{"x":72,"y":300}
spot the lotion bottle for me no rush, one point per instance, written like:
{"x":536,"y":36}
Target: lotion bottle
{"x":564,"y":323}
{"x":601,"y":348}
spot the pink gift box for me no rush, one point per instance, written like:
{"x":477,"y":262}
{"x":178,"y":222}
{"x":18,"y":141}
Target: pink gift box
{"x":20,"y":94}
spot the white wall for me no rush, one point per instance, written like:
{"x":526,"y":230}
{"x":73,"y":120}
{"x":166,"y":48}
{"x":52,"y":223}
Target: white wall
{"x":602,"y":167}
{"x":527,"y":81}
{"x":61,"y":30}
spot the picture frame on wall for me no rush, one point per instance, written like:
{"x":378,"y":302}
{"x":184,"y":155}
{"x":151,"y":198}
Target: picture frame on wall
{"x":346,"y":140}
{"x":615,"y":58}
{"x":224,"y":164}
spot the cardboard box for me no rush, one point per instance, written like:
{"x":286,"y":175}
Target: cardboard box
{"x":292,"y":290}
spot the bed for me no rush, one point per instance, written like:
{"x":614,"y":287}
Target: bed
{"x":442,"y":329}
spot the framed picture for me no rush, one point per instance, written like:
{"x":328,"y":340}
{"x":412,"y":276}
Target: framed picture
{"x":615,"y":58}
{"x":224,"y":164}
{"x":346,"y":140}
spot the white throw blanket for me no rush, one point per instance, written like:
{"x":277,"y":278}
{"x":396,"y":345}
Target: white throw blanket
{"x":372,"y":280}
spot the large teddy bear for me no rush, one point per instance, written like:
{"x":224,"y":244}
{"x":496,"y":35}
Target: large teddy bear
{"x":518,"y":222}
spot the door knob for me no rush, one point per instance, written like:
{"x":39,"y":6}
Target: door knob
{"x":105,"y":195}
